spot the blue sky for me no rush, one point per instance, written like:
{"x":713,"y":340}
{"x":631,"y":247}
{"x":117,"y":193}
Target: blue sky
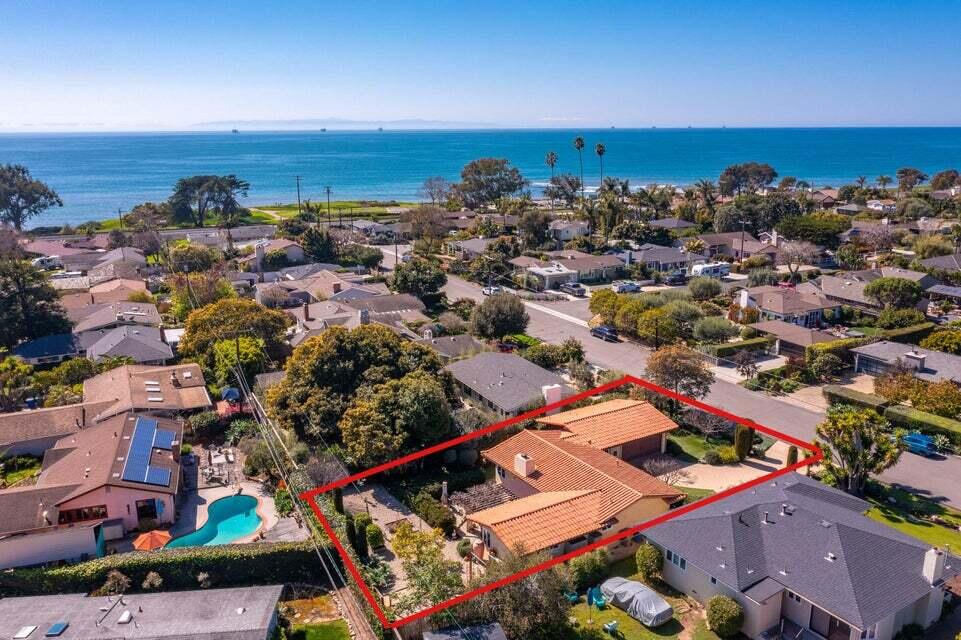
{"x":171,"y":65}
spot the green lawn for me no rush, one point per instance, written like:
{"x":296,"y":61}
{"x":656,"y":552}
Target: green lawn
{"x":904,"y":516}
{"x":695,"y":494}
{"x":14,"y":474}
{"x":335,"y":630}
{"x":589,"y":621}
{"x":691,"y":447}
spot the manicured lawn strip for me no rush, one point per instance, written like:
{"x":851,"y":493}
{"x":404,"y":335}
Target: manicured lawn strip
{"x":694,"y":494}
{"x":691,"y":447}
{"x":899,"y":516}
{"x":334,"y":630}
{"x":14,"y":476}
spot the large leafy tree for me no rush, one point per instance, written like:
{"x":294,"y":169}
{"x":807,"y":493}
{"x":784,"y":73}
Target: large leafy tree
{"x":22,"y":197}
{"x":326,"y":371}
{"x":818,"y":228}
{"x":498,"y":316}
{"x":534,"y":227}
{"x":231,"y":317}
{"x":197,"y":196}
{"x":947,"y":340}
{"x":945,"y":179}
{"x":857,"y":445}
{"x":909,"y":178}
{"x":485,"y":180}
{"x":29,"y":306}
{"x":894,"y":292}
{"x":747,"y":176}
{"x":420,"y":278}
{"x":758,"y":213}
{"x":564,"y":188}
{"x":395,"y":418}
{"x":190,"y":292}
{"x":534,"y":607}
{"x":318,"y":245}
{"x":681,"y":370}
{"x":431,"y":577}
{"x":16,"y":383}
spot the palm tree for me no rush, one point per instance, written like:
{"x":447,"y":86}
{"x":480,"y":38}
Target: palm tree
{"x":861,"y":181}
{"x":551,"y":160}
{"x":695,"y":245}
{"x":883,"y":182}
{"x":708,"y":193}
{"x":600,"y":150}
{"x":579,"y":145}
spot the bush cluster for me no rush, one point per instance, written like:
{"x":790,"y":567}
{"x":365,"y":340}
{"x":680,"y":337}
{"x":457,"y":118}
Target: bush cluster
{"x":434,"y":513}
{"x":724,"y":616}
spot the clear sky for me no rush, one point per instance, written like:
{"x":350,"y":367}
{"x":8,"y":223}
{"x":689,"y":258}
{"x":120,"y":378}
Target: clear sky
{"x":171,"y":65}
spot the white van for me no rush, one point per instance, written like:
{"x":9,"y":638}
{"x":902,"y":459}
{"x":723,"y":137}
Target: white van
{"x":47,"y":262}
{"x":711,"y":269}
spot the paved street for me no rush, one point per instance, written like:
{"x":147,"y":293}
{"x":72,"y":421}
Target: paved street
{"x":934,"y":478}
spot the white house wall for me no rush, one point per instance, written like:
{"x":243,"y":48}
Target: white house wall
{"x":58,"y":544}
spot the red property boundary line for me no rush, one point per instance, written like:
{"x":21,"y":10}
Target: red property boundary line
{"x":670,"y":515}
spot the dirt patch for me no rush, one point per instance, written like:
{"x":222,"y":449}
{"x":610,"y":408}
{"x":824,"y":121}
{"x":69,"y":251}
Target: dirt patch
{"x":311,"y":610}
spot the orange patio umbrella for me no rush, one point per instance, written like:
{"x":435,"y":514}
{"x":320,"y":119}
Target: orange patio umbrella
{"x":151,"y":540}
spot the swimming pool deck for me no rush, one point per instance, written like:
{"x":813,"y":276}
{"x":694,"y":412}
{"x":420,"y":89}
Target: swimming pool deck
{"x":193,"y":510}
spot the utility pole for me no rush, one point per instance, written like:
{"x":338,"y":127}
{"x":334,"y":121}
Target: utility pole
{"x":120,"y":217}
{"x":740,"y":255}
{"x":297,"y":178}
{"x":327,"y":190}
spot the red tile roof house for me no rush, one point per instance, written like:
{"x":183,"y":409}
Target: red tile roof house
{"x":565,"y":485}
{"x":96,"y":483}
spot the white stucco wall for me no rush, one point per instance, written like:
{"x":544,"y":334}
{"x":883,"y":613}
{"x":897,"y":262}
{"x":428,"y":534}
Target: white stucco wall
{"x":69,"y":543}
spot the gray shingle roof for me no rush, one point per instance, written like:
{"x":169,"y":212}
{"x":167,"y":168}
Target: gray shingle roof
{"x":238,"y":613}
{"x":948,"y":263}
{"x":142,"y":344}
{"x":937,"y":364}
{"x":508,"y":381}
{"x":492,"y":631}
{"x":876,"y":570}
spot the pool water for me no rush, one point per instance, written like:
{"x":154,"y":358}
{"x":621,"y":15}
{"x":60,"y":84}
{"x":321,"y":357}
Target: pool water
{"x":228,"y":519}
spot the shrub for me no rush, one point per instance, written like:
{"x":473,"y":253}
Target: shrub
{"x":588,"y":569}
{"x":753,"y":384}
{"x":702,"y":288}
{"x":743,"y":441}
{"x":362,"y":520}
{"x":899,"y":318}
{"x":546,"y":355}
{"x":728,"y":455}
{"x":825,"y":366}
{"x":928,"y":423}
{"x":186,"y":449}
{"x":910,"y":335}
{"x":649,"y":561}
{"x":712,"y":456}
{"x":233,"y":564}
{"x":791,"y":455}
{"x":730,"y":348}
{"x":434,"y":513}
{"x":714,"y":329}
{"x":463,"y":547}
{"x":724,"y":616}
{"x":239,"y":429}
{"x":910,"y":631}
{"x":205,"y":423}
{"x":836,"y":394}
{"x":375,"y":536}
{"x":283,"y":503}
{"x":840,"y":348}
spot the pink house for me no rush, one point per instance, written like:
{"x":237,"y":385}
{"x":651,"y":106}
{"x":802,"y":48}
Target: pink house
{"x":102,"y":481}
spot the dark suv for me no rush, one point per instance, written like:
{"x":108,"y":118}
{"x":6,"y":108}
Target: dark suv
{"x":605,"y":332}
{"x":574,"y":289}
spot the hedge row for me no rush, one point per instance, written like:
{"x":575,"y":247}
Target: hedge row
{"x":909,"y":335}
{"x":929,"y":423}
{"x":227,"y":565}
{"x":841,"y":348}
{"x":727,"y":349}
{"x":838,"y":394}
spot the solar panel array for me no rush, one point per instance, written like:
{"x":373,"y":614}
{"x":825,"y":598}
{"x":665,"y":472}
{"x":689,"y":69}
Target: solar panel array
{"x":146,"y":436}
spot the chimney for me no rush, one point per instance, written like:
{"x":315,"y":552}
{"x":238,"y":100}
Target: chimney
{"x":523,"y":465}
{"x":306,"y":311}
{"x":259,"y":253}
{"x":364,"y":316}
{"x":552,"y":393}
{"x":173,"y":378}
{"x":745,"y":300}
{"x":915,"y":359}
{"x":933,"y":569}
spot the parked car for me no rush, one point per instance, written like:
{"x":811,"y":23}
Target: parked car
{"x":637,"y":600}
{"x":574,"y":289}
{"x":675,"y":278}
{"x":625,"y":286}
{"x":919,"y":444}
{"x":604,"y":332}
{"x":490,"y":291}
{"x":47,"y":262}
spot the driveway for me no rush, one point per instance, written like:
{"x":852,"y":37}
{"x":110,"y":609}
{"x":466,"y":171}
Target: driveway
{"x":933,"y":478}
{"x":720,"y":477}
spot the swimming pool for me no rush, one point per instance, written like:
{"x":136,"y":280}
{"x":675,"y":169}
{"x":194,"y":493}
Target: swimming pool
{"x":228,"y":519}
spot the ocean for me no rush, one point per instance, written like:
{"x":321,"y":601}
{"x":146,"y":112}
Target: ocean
{"x":97,"y":174}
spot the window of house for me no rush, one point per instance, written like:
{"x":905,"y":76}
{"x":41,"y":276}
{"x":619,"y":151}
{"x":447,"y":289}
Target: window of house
{"x":676,"y":560}
{"x":713,"y":580}
{"x":82,"y":514}
{"x":501,"y":473}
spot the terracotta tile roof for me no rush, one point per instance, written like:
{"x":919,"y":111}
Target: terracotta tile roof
{"x":612,"y":423}
{"x":148,"y":388}
{"x":562,"y":465}
{"x":543,"y":519}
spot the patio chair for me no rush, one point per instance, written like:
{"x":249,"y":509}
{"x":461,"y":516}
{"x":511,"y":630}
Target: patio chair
{"x":611,"y":627}
{"x":572,"y":597}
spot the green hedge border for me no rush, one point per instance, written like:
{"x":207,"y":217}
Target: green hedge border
{"x":929,"y":423}
{"x":836,"y":394}
{"x":729,"y":348}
